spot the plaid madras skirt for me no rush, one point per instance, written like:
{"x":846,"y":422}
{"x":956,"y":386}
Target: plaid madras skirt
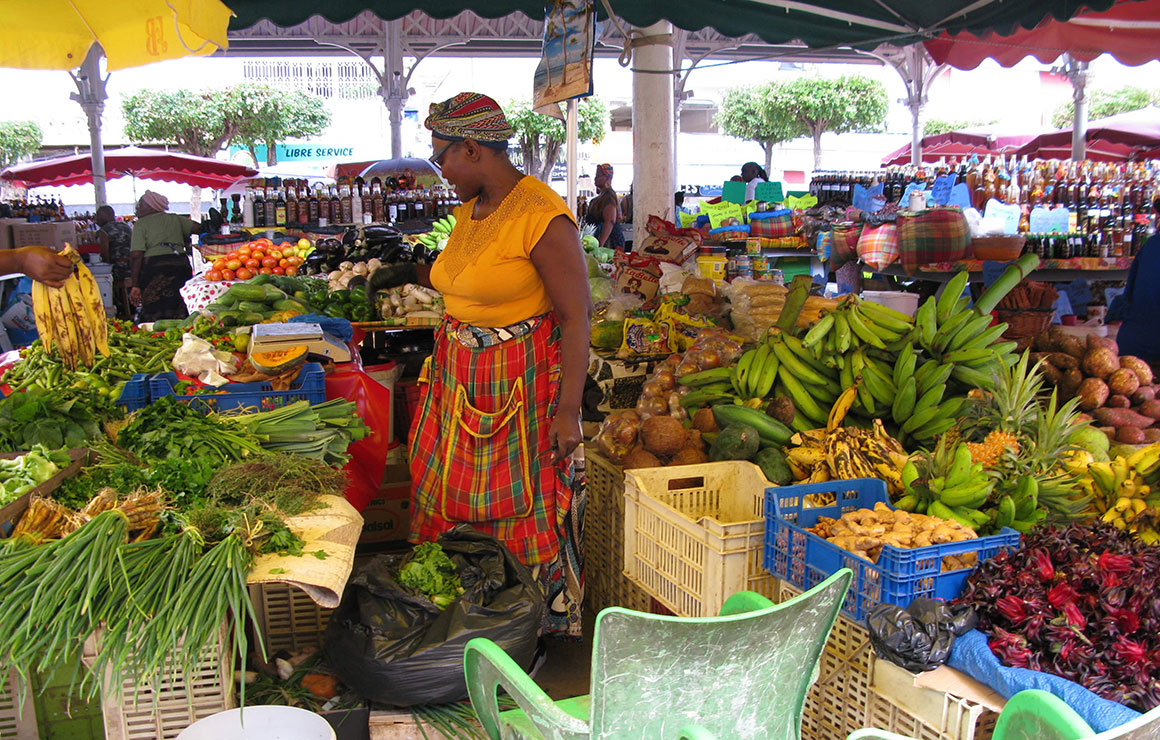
{"x":480,"y":450}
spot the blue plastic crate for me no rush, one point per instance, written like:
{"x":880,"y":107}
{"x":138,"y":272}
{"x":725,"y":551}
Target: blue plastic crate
{"x":899,"y":576}
{"x":135,"y":393}
{"x":310,"y":385}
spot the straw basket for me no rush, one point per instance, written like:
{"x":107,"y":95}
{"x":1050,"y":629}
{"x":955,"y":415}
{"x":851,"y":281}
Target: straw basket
{"x":1025,"y":322}
{"x":997,"y":248}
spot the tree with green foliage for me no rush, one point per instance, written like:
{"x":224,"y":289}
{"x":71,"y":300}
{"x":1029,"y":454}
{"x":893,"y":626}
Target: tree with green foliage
{"x":199,"y":123}
{"x":746,"y":114}
{"x":268,"y":115}
{"x":540,"y":139}
{"x":18,"y":139}
{"x":936,"y":126}
{"x":1104,"y":103}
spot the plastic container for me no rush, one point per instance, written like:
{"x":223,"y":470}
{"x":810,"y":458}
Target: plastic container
{"x":288,"y":618}
{"x":310,"y":385}
{"x":712,"y":267}
{"x":899,"y":576}
{"x":897,"y":705}
{"x":605,"y":582}
{"x":260,"y":723}
{"x":906,"y":303}
{"x":135,"y":393}
{"x":693,"y":534}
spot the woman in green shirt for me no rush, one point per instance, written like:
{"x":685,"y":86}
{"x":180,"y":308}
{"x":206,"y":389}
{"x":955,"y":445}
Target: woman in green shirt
{"x":159,"y":259}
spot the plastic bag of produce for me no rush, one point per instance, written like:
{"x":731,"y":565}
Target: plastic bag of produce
{"x":920,"y":637}
{"x":394,"y":646}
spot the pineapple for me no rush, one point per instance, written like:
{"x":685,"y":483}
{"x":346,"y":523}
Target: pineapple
{"x":1008,"y":413}
{"x":991,"y":449}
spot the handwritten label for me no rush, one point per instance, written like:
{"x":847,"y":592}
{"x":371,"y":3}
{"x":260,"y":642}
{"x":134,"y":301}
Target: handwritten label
{"x":1049,"y":220}
{"x":960,"y":196}
{"x":940,"y":191}
{"x":801,"y":203}
{"x":770,"y":192}
{"x":687,"y":219}
{"x":733,"y":192}
{"x":1008,"y":214}
{"x":722,"y":214}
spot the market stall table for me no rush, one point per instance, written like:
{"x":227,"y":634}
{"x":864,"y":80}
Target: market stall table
{"x":1050,"y":270}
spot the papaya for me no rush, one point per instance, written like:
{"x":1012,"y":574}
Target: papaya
{"x":735,"y":442}
{"x":773,"y":466}
{"x":607,"y":334}
{"x":276,"y":362}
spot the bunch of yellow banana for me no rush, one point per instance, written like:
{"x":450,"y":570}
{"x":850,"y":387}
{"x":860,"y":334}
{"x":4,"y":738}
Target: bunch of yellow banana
{"x":844,"y":452}
{"x":1121,"y":494}
{"x":71,"y":319}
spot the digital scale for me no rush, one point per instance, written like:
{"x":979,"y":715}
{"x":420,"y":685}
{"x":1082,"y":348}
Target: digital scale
{"x":271,"y":337}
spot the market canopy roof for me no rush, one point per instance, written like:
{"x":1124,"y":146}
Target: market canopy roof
{"x":1127,"y":31}
{"x":979,"y":141}
{"x":818,"y":23}
{"x":150,"y":164}
{"x":1118,"y":138}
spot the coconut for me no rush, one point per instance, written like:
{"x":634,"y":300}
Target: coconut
{"x":703,"y":421}
{"x":689,"y":456}
{"x":1124,"y":382}
{"x":641,"y":458}
{"x":663,"y":435}
{"x":1093,"y":393}
{"x":1100,"y":362}
{"x":1142,"y":369}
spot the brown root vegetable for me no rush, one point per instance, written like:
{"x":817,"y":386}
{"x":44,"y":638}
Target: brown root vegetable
{"x":1151,"y":409}
{"x":1109,"y":431}
{"x":1142,"y":369}
{"x":1151,"y":435}
{"x":1094,"y":341}
{"x":1118,"y":402}
{"x":1130,"y":436}
{"x":689,"y":456}
{"x":1143,"y":394}
{"x":1083,"y":416}
{"x":663,"y":435}
{"x":1092,"y":393}
{"x":1100,"y":362}
{"x":1068,"y":344}
{"x":1120,"y":418}
{"x":1069,"y":386}
{"x":782,"y":409}
{"x":1123,"y":381}
{"x":1052,"y":373}
{"x":1063,"y":360}
{"x":703,"y":421}
{"x":641,"y":458}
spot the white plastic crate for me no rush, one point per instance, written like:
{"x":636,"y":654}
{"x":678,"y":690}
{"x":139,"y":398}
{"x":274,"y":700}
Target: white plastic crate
{"x":835,"y":705}
{"x":897,"y":705}
{"x":693,"y":534}
{"x":141,"y":711}
{"x":17,"y":722}
{"x":288,"y":618}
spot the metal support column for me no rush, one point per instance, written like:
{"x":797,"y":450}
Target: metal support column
{"x":91,"y":96}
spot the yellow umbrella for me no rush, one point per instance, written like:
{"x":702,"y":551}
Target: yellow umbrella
{"x":57,"y":34}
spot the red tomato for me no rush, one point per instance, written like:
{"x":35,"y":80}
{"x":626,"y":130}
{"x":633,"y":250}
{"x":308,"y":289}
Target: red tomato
{"x":243,"y":250}
{"x":245,"y":273}
{"x":275,"y":253}
{"x":292,"y":270}
{"x":232,"y":256}
{"x":263,"y":242}
{"x":257,"y":254}
{"x":265,"y":271}
{"x":294,"y":261}
{"x":283,"y":263}
{"x":279,"y":271}
{"x":213,"y":275}
{"x":233,"y":264}
{"x":227,"y":274}
{"x":269,"y":262}
{"x":219,"y":264}
{"x":252,"y":263}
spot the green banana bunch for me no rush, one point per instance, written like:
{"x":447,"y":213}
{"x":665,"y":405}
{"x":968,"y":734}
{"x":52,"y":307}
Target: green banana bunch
{"x":440,"y":230}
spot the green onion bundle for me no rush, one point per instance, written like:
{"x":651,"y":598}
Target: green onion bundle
{"x":322,"y":431}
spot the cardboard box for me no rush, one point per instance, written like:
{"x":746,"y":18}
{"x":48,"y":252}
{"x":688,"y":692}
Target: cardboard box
{"x":387,"y":518}
{"x":6,"y":225}
{"x":51,"y":234}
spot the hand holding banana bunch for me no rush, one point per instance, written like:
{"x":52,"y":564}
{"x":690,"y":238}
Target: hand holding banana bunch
{"x":71,"y":319}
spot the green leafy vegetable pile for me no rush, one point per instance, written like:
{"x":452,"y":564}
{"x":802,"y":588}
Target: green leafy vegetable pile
{"x":20,"y":475}
{"x":428,"y":570}
{"x":167,"y":429}
{"x":66,"y":418}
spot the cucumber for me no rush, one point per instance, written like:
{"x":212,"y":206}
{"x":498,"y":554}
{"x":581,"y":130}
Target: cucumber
{"x":273,"y":293}
{"x":218,"y":308}
{"x":166,"y":324}
{"x":251,"y":317}
{"x":261,"y":280}
{"x":229,"y":318}
{"x":246,"y":292}
{"x":290,"y":304}
{"x":252,"y":306}
{"x":768,"y":427}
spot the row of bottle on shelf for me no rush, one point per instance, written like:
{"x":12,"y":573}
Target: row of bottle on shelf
{"x":293,"y":202}
{"x":36,"y":209}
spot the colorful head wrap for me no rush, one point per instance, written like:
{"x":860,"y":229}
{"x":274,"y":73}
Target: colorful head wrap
{"x":469,"y":116}
{"x":604,"y":169}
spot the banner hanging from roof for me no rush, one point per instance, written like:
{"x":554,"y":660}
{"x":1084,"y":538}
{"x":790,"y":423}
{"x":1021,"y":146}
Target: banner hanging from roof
{"x":565,"y":69}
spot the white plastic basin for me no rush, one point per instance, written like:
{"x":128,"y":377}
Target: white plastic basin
{"x":261,"y":723}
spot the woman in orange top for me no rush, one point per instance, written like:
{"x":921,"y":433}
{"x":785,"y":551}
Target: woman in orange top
{"x":500,"y":411}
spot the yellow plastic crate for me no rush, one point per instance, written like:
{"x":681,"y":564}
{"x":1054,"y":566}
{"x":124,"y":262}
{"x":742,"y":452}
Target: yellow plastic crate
{"x":693,"y":534}
{"x":605,"y":584}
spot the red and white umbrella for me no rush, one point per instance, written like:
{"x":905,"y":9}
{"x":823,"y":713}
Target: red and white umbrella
{"x":980,"y":142}
{"x":1118,"y":138}
{"x":149,"y":164}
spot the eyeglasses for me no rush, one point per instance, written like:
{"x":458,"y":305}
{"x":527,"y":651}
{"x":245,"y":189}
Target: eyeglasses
{"x":437,"y":158}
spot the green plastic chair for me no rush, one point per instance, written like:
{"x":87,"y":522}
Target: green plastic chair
{"x":740,"y":676}
{"x":1039,"y":715}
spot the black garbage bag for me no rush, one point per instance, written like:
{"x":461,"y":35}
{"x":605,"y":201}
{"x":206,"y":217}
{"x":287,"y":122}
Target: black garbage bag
{"x":920,"y":637}
{"x":392,"y":646}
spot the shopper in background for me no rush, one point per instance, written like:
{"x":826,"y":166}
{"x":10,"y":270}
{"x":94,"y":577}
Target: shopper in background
{"x":1139,"y":306}
{"x":159,"y":259}
{"x":39,"y":263}
{"x":604,"y":210}
{"x":500,"y":401}
{"x":752,"y":173}
{"x":116,"y":239}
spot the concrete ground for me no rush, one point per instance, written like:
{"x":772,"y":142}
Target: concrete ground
{"x":564,"y":673}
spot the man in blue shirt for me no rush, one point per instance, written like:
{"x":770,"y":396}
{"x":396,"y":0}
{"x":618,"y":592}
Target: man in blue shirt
{"x":1140,"y":332}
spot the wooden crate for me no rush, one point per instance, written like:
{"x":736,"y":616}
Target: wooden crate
{"x":605,"y":583}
